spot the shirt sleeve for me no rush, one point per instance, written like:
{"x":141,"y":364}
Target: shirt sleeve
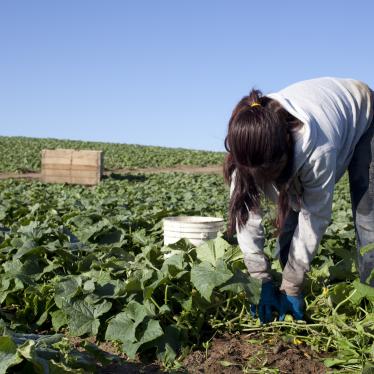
{"x":251,"y":241}
{"x":318,"y":181}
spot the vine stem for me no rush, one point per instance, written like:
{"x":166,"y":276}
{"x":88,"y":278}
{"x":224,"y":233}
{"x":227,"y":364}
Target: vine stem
{"x":343,"y":301}
{"x":166,"y":295}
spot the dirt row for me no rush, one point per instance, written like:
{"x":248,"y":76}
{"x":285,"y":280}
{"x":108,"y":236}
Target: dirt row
{"x":212,"y":169}
{"x":227,"y":354}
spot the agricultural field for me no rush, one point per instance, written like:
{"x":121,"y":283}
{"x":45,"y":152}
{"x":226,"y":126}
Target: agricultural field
{"x":20,"y":154}
{"x":86,"y":284}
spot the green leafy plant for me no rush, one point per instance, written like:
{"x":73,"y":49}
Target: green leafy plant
{"x":91,"y":262}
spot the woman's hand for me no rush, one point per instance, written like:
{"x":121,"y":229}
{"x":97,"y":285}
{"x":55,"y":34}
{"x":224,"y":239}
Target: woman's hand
{"x":269,"y":302}
{"x":291,"y":305}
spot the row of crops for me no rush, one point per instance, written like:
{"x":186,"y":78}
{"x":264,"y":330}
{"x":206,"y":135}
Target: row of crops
{"x":23,"y":154}
{"x":84,"y":262}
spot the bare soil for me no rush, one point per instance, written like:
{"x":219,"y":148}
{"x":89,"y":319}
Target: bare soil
{"x":228,"y":354}
{"x":216,"y":169}
{"x":20,"y":175}
{"x":247,"y":353}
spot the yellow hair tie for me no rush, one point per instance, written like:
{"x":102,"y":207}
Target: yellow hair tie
{"x":255,"y":104}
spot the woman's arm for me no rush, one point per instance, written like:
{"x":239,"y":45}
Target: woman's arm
{"x":251,"y":241}
{"x":318,"y":181}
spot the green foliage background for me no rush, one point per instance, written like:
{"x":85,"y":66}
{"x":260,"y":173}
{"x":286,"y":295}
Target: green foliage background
{"x":24,"y":154}
{"x":91,"y":261}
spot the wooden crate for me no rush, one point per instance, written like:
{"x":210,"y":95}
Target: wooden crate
{"x":72,"y":166}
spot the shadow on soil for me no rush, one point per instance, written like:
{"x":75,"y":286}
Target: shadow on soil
{"x":125,"y":177}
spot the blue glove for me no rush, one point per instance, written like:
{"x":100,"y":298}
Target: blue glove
{"x":269,"y":302}
{"x":292,"y":305}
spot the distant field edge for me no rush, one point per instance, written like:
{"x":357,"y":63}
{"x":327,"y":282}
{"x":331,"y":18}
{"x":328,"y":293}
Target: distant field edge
{"x":23,"y":154}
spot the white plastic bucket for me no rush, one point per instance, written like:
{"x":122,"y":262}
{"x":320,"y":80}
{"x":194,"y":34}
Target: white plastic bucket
{"x":196,"y":229}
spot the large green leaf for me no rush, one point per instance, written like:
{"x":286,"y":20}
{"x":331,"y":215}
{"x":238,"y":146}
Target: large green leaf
{"x":59,"y":319}
{"x":66,"y":289}
{"x":212,"y":250}
{"x":241,"y":282}
{"x":174,"y":265}
{"x":133,"y":327}
{"x":150,"y":331}
{"x":123,"y":326}
{"x":169,"y":344}
{"x":8,"y":354}
{"x":205,"y":277}
{"x":361,"y":291}
{"x":83,"y":318}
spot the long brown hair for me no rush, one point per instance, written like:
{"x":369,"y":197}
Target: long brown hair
{"x":258,"y":141}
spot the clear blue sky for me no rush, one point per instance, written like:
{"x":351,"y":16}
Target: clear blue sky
{"x":166,"y":72}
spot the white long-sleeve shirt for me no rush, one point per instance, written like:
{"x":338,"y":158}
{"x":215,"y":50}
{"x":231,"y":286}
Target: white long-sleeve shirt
{"x":335,"y":113}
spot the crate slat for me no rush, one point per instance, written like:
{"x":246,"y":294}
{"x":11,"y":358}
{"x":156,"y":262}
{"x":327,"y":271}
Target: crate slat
{"x":70,"y":173}
{"x":49,"y":166}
